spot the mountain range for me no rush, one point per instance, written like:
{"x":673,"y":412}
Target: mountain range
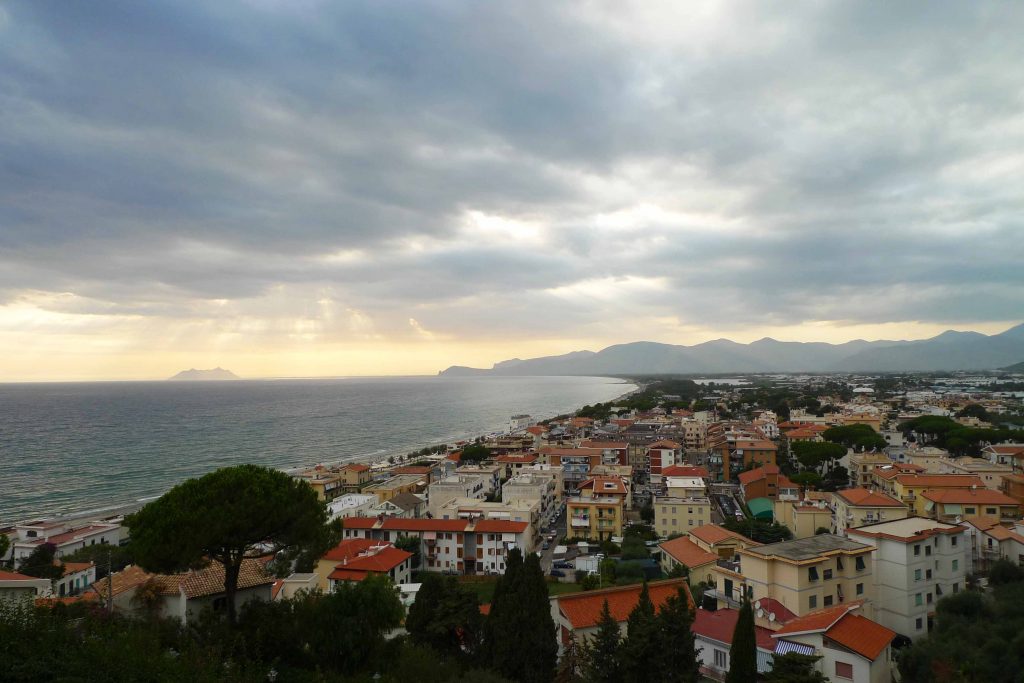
{"x":950,"y":350}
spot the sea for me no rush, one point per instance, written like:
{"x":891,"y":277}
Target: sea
{"x":87,"y":447}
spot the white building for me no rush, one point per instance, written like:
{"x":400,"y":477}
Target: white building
{"x":458,"y":485}
{"x":65,"y":537}
{"x":19,"y":587}
{"x":916,"y":562}
{"x":351,"y":505}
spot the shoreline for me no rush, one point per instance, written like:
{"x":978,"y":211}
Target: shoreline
{"x":115,"y":511}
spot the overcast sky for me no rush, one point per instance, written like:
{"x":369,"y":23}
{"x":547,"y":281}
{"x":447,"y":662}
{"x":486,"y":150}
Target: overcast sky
{"x":333,"y":188}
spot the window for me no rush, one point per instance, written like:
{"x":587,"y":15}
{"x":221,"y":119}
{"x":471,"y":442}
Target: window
{"x":990,"y":511}
{"x":928,"y":550}
{"x":938,"y":590}
{"x":918,"y":623}
{"x":720,"y":660}
{"x":917,"y":550}
{"x":917,"y":600}
{"x":969,"y":511}
{"x":929,"y":598}
{"x":828,"y":601}
{"x":956,"y":588}
{"x":812,"y":573}
{"x":917,"y":575}
{"x":860,"y":589}
{"x":839,"y":564}
{"x":860,"y":564}
{"x":828,"y":574}
{"x":844,"y":670}
{"x":953,"y":540}
{"x":928,"y":574}
{"x":812,"y":602}
{"x":956,"y":565}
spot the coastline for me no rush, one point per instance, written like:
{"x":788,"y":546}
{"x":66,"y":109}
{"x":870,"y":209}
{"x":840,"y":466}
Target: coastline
{"x":375,"y":460}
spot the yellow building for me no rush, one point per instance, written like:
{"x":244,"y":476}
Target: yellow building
{"x":804,"y":575}
{"x":389,"y":488}
{"x":594,"y":517}
{"x":674,"y":515}
{"x":327,"y":482}
{"x":862,"y":466}
{"x":802,"y":518}
{"x":980,"y":505}
{"x":720,"y":541}
{"x":909,"y":487}
{"x":858,"y":507}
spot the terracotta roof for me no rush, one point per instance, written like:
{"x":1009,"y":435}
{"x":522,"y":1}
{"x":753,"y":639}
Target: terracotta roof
{"x":210,"y":580}
{"x":14,"y":576}
{"x":606,"y":445}
{"x":665,"y":443}
{"x":712,"y":533}
{"x":411,"y":469}
{"x":397,"y":524}
{"x":485,"y":608}
{"x":605,"y":485}
{"x":750,"y":476}
{"x":500,"y":526}
{"x":819,"y":620}
{"x":124,"y":580}
{"x":940,"y":480}
{"x":583,"y":610}
{"x":982,"y":496}
{"x":865,"y":637}
{"x":1007,"y":449}
{"x":1001,"y":533}
{"x":783,"y":615}
{"x":865,"y":498}
{"x":683,"y":550}
{"x":802,"y":434}
{"x":521,"y":457}
{"x":359,"y":557}
{"x":356,"y":467}
{"x":72,"y":567}
{"x":684,"y":471}
{"x":721,"y":624}
{"x":536,"y":429}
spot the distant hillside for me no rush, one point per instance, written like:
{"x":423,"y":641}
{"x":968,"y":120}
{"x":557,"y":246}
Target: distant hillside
{"x":950,"y":350}
{"x":1016,"y":367}
{"x":194,"y":375}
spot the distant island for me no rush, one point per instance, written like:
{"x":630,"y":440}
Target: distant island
{"x":194,"y":375}
{"x":950,"y":350}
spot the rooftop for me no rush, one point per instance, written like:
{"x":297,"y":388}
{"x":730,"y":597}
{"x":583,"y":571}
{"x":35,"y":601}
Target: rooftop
{"x":908,"y":529}
{"x":803,"y":549}
{"x":864,"y":498}
{"x":583,"y":610}
{"x":685,"y":551}
{"x":981,"y":496}
{"x":854,"y":632}
{"x":712,"y":533}
{"x":721,"y":624}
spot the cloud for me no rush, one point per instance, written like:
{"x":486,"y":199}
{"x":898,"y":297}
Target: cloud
{"x":508,"y":170}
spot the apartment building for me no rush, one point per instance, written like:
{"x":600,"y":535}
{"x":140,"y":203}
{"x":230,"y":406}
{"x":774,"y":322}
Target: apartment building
{"x":683,"y":551}
{"x":674,"y":515}
{"x":862,"y":466}
{"x":916,"y":562}
{"x":353,"y":559}
{"x":66,"y":537}
{"x":595,"y":517}
{"x":326,"y":482}
{"x":803,"y":518}
{"x":803,"y":575}
{"x":662,"y":454}
{"x":989,"y":472}
{"x":909,"y":487}
{"x":768,"y":482}
{"x":459,"y":485}
{"x":720,"y":541}
{"x":389,"y":488}
{"x":576,"y":463}
{"x":535,"y":486}
{"x":970,"y":505}
{"x":860,"y":506}
{"x":463,"y":546}
{"x":491,"y":472}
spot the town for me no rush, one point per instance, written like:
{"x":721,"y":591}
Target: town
{"x":838,"y":512}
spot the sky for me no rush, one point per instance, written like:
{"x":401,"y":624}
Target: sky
{"x":305,"y":188}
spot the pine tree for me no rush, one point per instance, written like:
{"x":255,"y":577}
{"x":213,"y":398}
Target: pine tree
{"x":602,"y":665}
{"x":677,"y":645}
{"x":445,"y":617}
{"x":571,"y":665}
{"x":640,"y":651}
{"x":520,"y":621}
{"x":743,"y":653}
{"x":794,"y":667}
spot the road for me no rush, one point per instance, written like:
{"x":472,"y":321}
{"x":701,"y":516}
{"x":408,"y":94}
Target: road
{"x":559,"y":531}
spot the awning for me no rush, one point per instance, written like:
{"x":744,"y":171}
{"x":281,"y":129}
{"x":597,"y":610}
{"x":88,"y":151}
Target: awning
{"x":784,"y":646}
{"x":953,"y":509}
{"x":928,"y":505}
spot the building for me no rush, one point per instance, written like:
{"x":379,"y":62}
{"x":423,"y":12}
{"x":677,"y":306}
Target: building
{"x":610,"y":450}
{"x":803,"y":518}
{"x":354,"y":476}
{"x":409,"y":505}
{"x":462,"y":546}
{"x":972,"y":505}
{"x":392,"y":486}
{"x":997,"y":542}
{"x":458,"y":485}
{"x":65,"y":538}
{"x":1011,"y":454}
{"x":354,"y":559}
{"x":852,"y":647}
{"x":989,"y":472}
{"x":594,"y":517}
{"x":720,"y":541}
{"x":674,"y":515}
{"x":916,"y":562}
{"x":535,"y":486}
{"x":14,"y":586}
{"x":615,"y":487}
{"x":713,"y":631}
{"x":685,"y":487}
{"x":862,"y":467}
{"x":325,"y":481}
{"x":578,"y":613}
{"x":662,"y":454}
{"x":860,"y":506}
{"x":803,"y":575}
{"x":491,"y":472}
{"x":737,"y":452}
{"x":767,"y":482}
{"x":576,"y":463}
{"x":909,"y":487}
{"x":683,"y":551}
{"x":693,"y":471}
{"x":515,"y":463}
{"x":185,"y":596}
{"x":1013,"y":486}
{"x":351,"y":505}
{"x":78,"y":576}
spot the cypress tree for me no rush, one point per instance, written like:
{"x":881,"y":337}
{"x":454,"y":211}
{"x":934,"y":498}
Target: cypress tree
{"x":503,"y":604}
{"x":677,"y":645}
{"x":520,"y":622}
{"x":640,"y":652}
{"x":743,"y":653}
{"x":602,"y":665}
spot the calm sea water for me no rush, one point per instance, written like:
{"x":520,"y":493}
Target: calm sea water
{"x":86,"y":446}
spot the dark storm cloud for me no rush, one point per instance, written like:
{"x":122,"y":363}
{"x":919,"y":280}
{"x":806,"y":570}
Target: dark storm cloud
{"x":827,"y":161}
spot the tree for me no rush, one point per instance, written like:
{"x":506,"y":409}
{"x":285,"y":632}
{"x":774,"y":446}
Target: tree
{"x":42,"y":563}
{"x":520,"y":621}
{"x":474,"y":453}
{"x":227,"y":516}
{"x":410,"y":544}
{"x":1004,"y":571}
{"x":677,"y":649}
{"x":106,"y":556}
{"x":639,"y":654}
{"x":647,"y":513}
{"x":817,"y":455}
{"x":602,"y":661}
{"x":759,"y":530}
{"x":571,"y":665}
{"x":743,"y":653}
{"x":794,"y":667}
{"x":445,"y":617}
{"x":5,"y":545}
{"x":806,"y":479}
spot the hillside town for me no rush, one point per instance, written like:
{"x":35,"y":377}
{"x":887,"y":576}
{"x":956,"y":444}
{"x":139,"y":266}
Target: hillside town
{"x":840,"y":509}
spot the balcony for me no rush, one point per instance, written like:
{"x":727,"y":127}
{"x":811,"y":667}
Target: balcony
{"x":721,"y":596}
{"x":580,"y":521}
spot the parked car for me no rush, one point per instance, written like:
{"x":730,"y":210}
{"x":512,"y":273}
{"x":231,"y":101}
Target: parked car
{"x":557,"y":573}
{"x":563,"y":565}
{"x":545,"y":546}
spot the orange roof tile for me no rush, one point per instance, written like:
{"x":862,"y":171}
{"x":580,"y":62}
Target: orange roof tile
{"x":712,"y":533}
{"x":684,"y":471}
{"x":982,"y":496}
{"x":1001,"y":533}
{"x":757,"y":474}
{"x":940,"y":480}
{"x":865,"y":637}
{"x":863,"y":497}
{"x":665,"y":443}
{"x":819,"y":620}
{"x":583,"y":610}
{"x":500,"y":526}
{"x":683,"y":550}
{"x":721,"y":624}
